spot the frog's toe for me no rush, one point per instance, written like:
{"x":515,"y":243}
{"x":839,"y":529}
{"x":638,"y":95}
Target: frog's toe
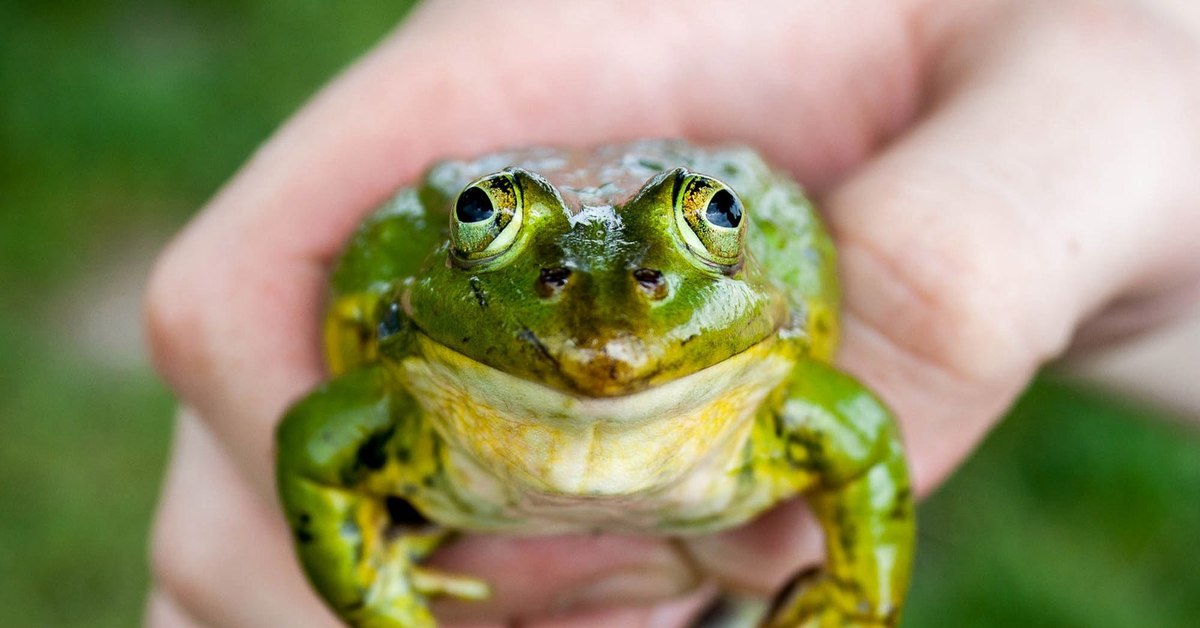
{"x":431,"y":582}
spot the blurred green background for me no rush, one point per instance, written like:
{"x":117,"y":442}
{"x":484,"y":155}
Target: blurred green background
{"x":117,"y":120}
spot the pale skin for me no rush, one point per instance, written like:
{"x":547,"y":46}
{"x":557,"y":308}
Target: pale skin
{"x":1005,"y":182}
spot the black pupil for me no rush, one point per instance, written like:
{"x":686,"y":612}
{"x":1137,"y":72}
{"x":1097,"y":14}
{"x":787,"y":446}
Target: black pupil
{"x":473,"y":205}
{"x":724,"y":210}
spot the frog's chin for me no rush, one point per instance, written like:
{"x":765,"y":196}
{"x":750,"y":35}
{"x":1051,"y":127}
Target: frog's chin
{"x":562,"y":442}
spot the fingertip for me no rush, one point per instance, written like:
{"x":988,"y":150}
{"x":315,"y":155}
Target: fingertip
{"x":763,"y":554}
{"x":542,"y":576}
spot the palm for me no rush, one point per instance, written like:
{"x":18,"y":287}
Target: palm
{"x":940,"y":315}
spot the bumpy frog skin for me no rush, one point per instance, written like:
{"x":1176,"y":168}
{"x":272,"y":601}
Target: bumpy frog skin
{"x":633,"y":339}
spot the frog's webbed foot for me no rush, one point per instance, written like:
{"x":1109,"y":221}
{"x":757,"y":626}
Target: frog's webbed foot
{"x":815,"y":600}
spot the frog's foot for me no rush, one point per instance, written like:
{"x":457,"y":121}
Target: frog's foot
{"x":431,"y":582}
{"x":816,"y":600}
{"x":400,"y":587}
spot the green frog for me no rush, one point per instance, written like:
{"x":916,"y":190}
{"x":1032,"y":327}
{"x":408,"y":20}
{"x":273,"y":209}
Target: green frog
{"x":633,"y":339}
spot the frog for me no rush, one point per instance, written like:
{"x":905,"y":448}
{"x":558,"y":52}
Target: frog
{"x":630,"y":338}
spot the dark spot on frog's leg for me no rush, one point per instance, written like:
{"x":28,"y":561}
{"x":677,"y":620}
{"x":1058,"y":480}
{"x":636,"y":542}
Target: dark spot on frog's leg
{"x":777,"y":424}
{"x":403,"y":514}
{"x":372,"y":454}
{"x":477,"y":290}
{"x":850,"y":585}
{"x":807,"y":453}
{"x":847,"y":531}
{"x":902,"y":506}
{"x":301,"y":531}
{"x":821,"y":324}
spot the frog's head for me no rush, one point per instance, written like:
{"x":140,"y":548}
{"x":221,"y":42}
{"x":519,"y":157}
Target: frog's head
{"x":597,"y":299}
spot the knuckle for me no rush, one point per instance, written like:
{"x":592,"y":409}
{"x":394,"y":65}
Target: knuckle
{"x":168,"y":324}
{"x":967,"y":316}
{"x":960,"y":303}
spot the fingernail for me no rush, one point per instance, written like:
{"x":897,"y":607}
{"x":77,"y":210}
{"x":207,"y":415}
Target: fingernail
{"x":627,"y":586}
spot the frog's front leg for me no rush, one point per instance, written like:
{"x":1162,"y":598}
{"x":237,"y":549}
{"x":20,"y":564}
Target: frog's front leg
{"x":834,"y":437}
{"x":345,"y":451}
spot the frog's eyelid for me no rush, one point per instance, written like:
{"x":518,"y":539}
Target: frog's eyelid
{"x":681,"y":175}
{"x":528,"y":177}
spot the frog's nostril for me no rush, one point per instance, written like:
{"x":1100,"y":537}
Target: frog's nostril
{"x":551,"y":280}
{"x":652,"y":282}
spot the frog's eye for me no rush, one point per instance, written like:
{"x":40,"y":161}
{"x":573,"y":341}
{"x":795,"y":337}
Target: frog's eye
{"x":487,"y":216}
{"x":710,"y":218}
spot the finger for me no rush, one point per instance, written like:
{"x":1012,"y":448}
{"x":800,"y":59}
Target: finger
{"x":677,"y":613}
{"x":226,"y":557}
{"x":759,"y":557}
{"x":543,"y":576}
{"x":233,"y":305}
{"x":1032,"y":196}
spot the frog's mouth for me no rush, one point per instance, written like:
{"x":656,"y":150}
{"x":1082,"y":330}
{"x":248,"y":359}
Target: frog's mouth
{"x":603,"y":367}
{"x":461,"y":376}
{"x":617,"y":365}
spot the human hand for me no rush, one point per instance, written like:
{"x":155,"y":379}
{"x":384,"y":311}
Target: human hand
{"x":1001,"y":178}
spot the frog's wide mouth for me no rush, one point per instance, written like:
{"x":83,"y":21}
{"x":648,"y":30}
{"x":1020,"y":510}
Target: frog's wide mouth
{"x":440,"y":370}
{"x":617,"y":367}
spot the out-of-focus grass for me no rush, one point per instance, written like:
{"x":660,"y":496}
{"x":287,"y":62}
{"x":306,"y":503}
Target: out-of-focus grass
{"x":80,"y":457}
{"x":117,"y":118}
{"x":1079,"y":510}
{"x":113,"y":113}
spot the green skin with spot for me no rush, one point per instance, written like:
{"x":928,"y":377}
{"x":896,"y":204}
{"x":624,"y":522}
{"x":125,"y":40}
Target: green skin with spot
{"x":601,"y":314}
